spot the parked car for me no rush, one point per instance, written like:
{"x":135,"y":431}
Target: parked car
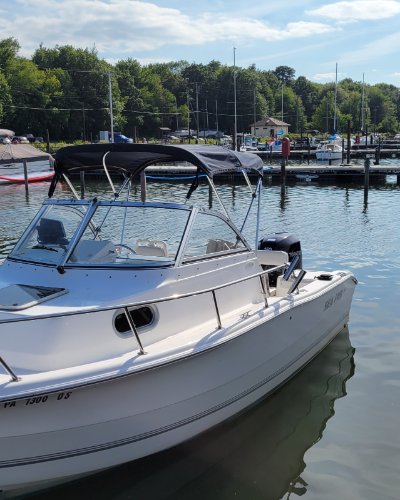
{"x":19,"y":139}
{"x":5,"y":140}
{"x":118,"y":138}
{"x":30,"y":137}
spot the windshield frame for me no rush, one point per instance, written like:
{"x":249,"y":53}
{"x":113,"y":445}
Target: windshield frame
{"x":92,"y":205}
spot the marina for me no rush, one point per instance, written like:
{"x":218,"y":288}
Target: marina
{"x":199,"y":264}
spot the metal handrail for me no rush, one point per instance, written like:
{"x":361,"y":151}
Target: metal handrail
{"x":14,"y":377}
{"x":146,"y":302}
{"x":132,"y":326}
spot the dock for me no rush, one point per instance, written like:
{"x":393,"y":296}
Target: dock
{"x":313,"y":172}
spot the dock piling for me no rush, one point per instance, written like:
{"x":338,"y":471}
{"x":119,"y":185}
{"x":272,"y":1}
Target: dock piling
{"x":366,"y":177}
{"x":82,"y":178}
{"x":283,"y":172}
{"x":26,"y":176}
{"x":378,"y":152}
{"x":348,"y":142}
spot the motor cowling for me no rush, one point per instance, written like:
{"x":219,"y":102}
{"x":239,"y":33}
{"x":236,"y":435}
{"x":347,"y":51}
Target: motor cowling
{"x":285,"y":242}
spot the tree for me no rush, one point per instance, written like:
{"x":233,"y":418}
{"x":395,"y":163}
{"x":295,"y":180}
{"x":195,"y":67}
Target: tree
{"x":309,"y":94}
{"x":85,"y":90}
{"x":285,"y":74}
{"x":31,"y":89}
{"x":9,"y":48}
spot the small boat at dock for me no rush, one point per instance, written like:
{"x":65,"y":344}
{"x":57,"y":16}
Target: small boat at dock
{"x":128,"y":325}
{"x":331,"y":149}
{"x":20,"y":163}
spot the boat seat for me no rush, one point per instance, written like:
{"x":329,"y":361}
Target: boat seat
{"x":151,"y":247}
{"x":94,"y":252}
{"x":51,"y":232}
{"x":214,"y":246}
{"x":272,"y":257}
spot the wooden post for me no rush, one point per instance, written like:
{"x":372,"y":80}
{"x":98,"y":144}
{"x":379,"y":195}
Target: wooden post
{"x":210,"y":197}
{"x":366,"y":178}
{"x":283,"y":171}
{"x":143,"y":187}
{"x":26,"y":176}
{"x":342,"y":151}
{"x":82,"y":176}
{"x":378,"y":152}
{"x":348,"y":142}
{"x":47,"y":141}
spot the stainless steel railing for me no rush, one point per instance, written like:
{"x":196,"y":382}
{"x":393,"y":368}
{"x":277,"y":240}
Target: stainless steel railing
{"x":126,"y":307}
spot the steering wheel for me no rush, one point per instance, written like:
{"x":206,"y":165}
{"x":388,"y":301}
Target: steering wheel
{"x":123,"y":251}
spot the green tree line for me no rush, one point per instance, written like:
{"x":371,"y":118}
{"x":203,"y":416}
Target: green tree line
{"x":66,"y":91}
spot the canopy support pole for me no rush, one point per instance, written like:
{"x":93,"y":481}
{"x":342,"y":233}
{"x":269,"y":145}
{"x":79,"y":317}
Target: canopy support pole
{"x":71,"y":186}
{"x":108,"y":174}
{"x":219,"y":199}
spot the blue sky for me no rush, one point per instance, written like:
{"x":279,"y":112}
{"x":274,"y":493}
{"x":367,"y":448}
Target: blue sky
{"x":310,"y":36}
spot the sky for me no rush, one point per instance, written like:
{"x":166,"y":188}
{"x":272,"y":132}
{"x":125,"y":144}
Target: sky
{"x":310,"y":36}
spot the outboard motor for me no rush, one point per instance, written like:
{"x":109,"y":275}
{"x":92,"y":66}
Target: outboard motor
{"x":284,"y":242}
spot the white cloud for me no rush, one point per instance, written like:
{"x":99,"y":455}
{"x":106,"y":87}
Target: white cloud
{"x":357,"y":10}
{"x":328,"y":77}
{"x":133,"y":26}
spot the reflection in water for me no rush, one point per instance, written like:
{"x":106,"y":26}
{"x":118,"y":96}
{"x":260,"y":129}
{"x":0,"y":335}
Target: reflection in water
{"x":257,"y":455}
{"x":283,"y":198}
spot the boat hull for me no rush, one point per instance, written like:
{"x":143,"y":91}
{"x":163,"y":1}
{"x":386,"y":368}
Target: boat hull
{"x":329,"y":155}
{"x":64,"y":434}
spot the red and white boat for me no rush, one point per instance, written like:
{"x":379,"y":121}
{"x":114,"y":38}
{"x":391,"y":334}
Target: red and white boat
{"x":12,"y":159}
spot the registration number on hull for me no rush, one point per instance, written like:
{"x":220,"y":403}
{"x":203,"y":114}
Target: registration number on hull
{"x":329,"y":303}
{"x":37,"y":400}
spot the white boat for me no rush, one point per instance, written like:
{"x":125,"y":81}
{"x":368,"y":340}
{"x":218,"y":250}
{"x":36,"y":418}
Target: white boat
{"x":332,"y":149}
{"x":130,"y":326}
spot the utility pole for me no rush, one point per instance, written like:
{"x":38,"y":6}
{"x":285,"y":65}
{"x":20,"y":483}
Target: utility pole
{"x":216,"y":114}
{"x":176,"y":109}
{"x":111,"y":106}
{"x":84,"y":124}
{"x":254,"y":110}
{"x":362,"y":106}
{"x":197,"y":111}
{"x":188,"y":115}
{"x":235,"y":110}
{"x":334,"y":104}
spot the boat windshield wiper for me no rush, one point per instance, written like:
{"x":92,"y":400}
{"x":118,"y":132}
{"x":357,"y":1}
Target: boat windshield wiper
{"x":44,"y":247}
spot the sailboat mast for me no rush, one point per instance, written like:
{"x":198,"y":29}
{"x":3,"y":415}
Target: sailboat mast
{"x":334,"y":105}
{"x":362,"y":106}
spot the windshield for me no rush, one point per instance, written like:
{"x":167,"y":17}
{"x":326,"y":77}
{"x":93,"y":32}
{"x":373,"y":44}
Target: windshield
{"x":117,"y":234}
{"x":48,"y":238}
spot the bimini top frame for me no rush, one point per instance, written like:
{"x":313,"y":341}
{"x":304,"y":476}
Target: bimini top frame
{"x":132,"y":159}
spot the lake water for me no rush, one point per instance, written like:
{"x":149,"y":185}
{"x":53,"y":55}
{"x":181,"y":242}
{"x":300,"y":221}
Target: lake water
{"x":332,"y":431}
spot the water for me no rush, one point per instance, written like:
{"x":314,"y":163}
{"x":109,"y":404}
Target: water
{"x":333,"y":431}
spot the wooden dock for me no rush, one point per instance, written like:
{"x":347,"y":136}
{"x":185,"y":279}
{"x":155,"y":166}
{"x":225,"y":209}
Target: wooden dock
{"x":312,"y":172}
{"x":336,"y":173}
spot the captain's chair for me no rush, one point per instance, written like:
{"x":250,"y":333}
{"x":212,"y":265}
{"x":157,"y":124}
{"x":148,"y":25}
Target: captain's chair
{"x":51,"y":232}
